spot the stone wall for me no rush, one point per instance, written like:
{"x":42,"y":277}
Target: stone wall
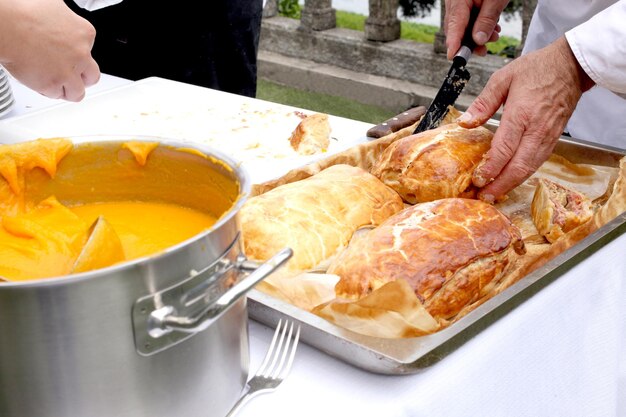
{"x":349,"y":49}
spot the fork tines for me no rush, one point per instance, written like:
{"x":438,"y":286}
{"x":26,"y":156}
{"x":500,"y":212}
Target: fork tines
{"x":273,"y":365}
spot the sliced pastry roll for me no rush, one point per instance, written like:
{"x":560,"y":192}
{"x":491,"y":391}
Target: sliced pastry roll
{"x":452,"y":252}
{"x":557,"y":209}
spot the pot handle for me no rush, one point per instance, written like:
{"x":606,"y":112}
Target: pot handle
{"x":157,"y":319}
{"x":164,"y":320}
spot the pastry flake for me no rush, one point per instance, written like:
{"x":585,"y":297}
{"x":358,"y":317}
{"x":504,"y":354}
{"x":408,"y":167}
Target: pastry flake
{"x":312,"y":135}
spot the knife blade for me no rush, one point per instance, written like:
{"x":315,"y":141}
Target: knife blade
{"x":454,"y":82}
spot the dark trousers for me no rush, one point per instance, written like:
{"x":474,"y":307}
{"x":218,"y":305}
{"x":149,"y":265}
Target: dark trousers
{"x":207,"y":43}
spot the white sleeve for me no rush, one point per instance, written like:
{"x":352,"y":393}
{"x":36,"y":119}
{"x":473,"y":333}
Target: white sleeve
{"x":599,"y":45}
{"x":92,"y":5}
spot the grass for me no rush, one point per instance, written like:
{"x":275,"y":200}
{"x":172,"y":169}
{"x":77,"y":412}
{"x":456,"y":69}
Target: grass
{"x":419,"y":32}
{"x":323,"y":103}
{"x":413,"y":31}
{"x":341,"y":106}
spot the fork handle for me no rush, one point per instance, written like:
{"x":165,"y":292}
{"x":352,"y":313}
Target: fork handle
{"x":242,"y":401}
{"x":238,"y":405}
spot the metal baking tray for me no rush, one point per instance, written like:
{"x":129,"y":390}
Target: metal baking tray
{"x":408,"y":356}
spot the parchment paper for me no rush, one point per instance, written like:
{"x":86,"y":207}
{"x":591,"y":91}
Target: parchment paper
{"x":394,"y":311}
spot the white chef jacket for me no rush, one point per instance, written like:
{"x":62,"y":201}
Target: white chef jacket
{"x":596,"y":33}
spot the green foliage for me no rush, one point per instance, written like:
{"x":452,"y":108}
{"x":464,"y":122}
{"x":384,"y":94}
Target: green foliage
{"x":505,"y":46}
{"x":418,"y":8}
{"x":422,"y":8}
{"x":514,"y":6}
{"x":289,"y":8}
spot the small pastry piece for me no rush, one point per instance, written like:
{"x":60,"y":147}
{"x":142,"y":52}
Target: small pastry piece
{"x":452,"y":252}
{"x":312,"y":135}
{"x":557,"y":209}
{"x":434,"y":164}
{"x":316,"y":217}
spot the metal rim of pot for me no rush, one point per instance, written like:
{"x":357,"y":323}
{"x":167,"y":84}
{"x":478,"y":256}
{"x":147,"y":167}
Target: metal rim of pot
{"x":244,"y":192}
{"x":152,"y":319}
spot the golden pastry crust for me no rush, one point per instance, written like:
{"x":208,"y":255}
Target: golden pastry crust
{"x":434,"y":164}
{"x":452,"y":252}
{"x":312,"y":135}
{"x":557,"y":209}
{"x":316,"y":217}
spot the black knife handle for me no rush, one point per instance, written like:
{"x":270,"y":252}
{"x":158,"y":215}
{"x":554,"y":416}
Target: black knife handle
{"x":468,"y":40}
{"x":467,"y":43}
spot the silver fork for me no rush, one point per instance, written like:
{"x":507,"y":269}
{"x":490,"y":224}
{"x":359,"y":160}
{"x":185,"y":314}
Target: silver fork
{"x":275,"y":366}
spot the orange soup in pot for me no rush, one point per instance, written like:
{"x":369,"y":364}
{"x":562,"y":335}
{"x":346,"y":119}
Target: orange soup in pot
{"x":48,"y":238}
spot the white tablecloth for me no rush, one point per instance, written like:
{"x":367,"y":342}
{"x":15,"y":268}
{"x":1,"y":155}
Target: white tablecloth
{"x":561,"y":353}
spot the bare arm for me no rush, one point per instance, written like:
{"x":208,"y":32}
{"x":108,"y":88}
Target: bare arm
{"x":47,"y":47}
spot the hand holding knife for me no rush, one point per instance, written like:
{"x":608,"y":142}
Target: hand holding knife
{"x":454,"y":82}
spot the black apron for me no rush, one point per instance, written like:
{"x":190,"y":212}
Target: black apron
{"x":207,"y":43}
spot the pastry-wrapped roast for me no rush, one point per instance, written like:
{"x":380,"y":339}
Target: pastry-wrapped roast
{"x":557,"y":209}
{"x":316,"y":217}
{"x":451,"y":251}
{"x":434,"y":164}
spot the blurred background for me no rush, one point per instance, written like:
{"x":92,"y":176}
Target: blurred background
{"x":369,"y":59}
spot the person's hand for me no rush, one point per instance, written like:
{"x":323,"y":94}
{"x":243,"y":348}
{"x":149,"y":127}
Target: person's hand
{"x":486,"y":29}
{"x":47,"y":47}
{"x":539,"y":92}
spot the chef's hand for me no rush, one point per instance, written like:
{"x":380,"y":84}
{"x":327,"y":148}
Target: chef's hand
{"x":539,"y":92}
{"x":47,"y":47}
{"x":486,"y":29}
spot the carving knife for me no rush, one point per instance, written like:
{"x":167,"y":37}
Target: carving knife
{"x":454,"y":82}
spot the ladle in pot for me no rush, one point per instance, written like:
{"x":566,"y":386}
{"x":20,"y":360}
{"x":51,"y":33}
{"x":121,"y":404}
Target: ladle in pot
{"x":103,"y":248}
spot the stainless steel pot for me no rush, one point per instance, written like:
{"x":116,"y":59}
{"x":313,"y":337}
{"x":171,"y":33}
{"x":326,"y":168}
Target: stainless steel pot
{"x":159,"y":336}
